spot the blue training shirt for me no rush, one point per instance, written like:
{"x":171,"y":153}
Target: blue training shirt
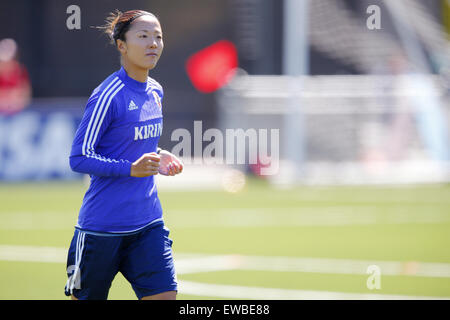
{"x":121,"y":122}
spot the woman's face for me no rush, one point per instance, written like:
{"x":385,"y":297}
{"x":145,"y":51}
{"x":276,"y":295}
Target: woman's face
{"x":144,"y":43}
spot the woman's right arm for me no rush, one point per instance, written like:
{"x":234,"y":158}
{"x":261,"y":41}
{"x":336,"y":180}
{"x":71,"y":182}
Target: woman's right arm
{"x":83,"y":157}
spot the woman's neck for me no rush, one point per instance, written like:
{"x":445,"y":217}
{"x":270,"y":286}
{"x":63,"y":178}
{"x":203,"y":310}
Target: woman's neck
{"x":135,"y":72}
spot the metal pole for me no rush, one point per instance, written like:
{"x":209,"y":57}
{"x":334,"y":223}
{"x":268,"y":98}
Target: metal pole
{"x":295,"y":64}
{"x":295,"y":37}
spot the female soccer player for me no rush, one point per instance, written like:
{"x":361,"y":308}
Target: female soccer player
{"x":120,"y":225}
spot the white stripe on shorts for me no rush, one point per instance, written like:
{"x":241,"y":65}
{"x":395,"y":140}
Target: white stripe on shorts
{"x":78,"y":255}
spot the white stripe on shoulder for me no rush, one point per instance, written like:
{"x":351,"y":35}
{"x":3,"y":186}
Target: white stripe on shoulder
{"x":98,"y":114}
{"x":152,"y":83}
{"x":89,"y":128}
{"x":105,"y":110}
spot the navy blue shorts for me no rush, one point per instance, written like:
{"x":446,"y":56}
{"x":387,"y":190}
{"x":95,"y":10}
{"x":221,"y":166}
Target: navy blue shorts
{"x":143,"y":257}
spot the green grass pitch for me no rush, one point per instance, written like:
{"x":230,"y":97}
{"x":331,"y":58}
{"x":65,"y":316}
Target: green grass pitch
{"x":397,"y":223}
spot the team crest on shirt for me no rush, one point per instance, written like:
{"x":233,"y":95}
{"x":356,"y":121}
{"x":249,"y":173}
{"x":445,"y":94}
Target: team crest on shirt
{"x":157,"y":99}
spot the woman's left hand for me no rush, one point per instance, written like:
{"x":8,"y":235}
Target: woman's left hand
{"x":169,"y":164}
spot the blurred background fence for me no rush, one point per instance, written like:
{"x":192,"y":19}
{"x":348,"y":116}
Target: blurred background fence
{"x":359,"y":129}
{"x":359,"y":90}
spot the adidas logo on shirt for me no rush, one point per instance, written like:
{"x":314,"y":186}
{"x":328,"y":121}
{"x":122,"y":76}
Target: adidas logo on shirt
{"x":132,"y":106}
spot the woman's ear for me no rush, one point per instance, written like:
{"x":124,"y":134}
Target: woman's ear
{"x":121,"y":46}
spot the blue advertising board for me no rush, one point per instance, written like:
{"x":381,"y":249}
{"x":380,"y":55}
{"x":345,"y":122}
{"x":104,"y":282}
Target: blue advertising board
{"x":35,"y":145}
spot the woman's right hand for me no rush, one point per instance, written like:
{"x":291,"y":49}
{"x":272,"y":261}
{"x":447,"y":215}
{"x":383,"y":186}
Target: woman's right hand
{"x":147,"y":165}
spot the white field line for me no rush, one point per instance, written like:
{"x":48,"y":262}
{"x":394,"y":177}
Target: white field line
{"x":197,"y":263}
{"x":33,"y":254}
{"x":194,"y":263}
{"x":313,"y":265}
{"x":258,"y":293}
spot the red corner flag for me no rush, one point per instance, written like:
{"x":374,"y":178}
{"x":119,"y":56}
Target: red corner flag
{"x":212,"y":67}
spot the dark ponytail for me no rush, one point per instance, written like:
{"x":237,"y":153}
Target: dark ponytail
{"x":118,"y":23}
